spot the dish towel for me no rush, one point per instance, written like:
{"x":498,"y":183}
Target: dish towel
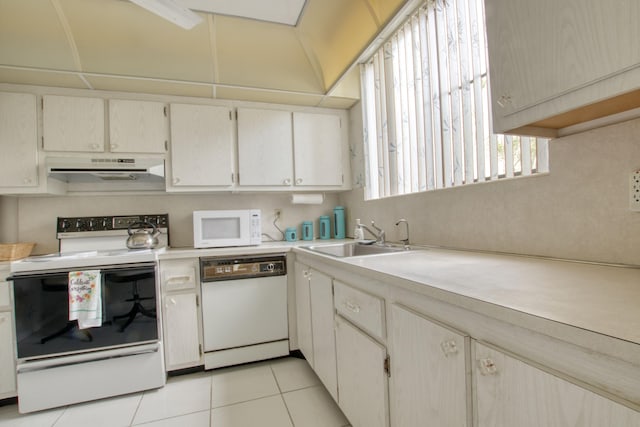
{"x":85,"y":299}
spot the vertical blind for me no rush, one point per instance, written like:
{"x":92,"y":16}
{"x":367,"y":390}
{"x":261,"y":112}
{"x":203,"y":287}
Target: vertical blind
{"x":425,"y":103}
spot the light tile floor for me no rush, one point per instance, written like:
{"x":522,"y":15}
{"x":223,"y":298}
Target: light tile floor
{"x":277,"y":393}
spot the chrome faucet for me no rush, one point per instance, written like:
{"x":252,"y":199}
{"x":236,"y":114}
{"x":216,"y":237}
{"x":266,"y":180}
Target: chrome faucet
{"x":379,"y":233}
{"x":406,"y":223}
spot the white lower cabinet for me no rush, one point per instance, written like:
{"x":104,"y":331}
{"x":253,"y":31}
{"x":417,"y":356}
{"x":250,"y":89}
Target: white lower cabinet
{"x":362,"y":380}
{"x":324,"y":344}
{"x":182,"y":345}
{"x":7,"y":343}
{"x":7,"y":356}
{"x":303,"y":311}
{"x":429,"y":366}
{"x":314,"y":298}
{"x":510,"y":392}
{"x":181,"y":315}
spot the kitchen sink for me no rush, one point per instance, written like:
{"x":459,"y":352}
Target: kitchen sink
{"x":352,"y":249}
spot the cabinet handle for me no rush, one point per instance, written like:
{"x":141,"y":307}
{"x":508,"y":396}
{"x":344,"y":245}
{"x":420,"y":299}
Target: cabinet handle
{"x":504,"y":100}
{"x":176,"y":180}
{"x":27,"y":180}
{"x":95,"y":146}
{"x":487,"y":366}
{"x":299,"y":181}
{"x":178,"y":280}
{"x":449,"y":348}
{"x":3,"y":319}
{"x":306,"y":274}
{"x":173,"y":301}
{"x":355,"y":308}
{"x":287,"y":181}
{"x":114,"y":146}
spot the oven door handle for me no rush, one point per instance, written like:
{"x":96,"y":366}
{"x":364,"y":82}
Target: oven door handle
{"x":39,"y":365}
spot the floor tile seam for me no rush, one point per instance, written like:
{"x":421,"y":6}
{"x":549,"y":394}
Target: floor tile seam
{"x":284,"y":402}
{"x":275,"y":377}
{"x":133,"y":417}
{"x":303,"y":388}
{"x":171,"y":417}
{"x":245,"y":401}
{"x":59,"y":416}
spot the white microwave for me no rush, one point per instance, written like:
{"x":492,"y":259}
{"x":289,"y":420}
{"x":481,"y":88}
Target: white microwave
{"x":216,"y":229}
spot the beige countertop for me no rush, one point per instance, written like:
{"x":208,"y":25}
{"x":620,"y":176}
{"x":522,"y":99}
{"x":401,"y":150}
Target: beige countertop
{"x":598,"y":298}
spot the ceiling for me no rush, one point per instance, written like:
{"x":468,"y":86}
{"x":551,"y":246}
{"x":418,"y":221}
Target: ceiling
{"x":116,"y":45}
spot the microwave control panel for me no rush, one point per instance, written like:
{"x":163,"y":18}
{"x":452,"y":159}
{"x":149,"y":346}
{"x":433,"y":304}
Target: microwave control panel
{"x":216,"y":268}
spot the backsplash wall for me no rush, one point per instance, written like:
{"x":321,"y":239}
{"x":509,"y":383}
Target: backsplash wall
{"x":33,"y":219}
{"x":579,"y":210}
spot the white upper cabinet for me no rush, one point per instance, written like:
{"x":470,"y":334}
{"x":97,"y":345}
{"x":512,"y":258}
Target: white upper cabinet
{"x":137,"y":126}
{"x":291,"y":150}
{"x":202,"y":147}
{"x":18,"y":140}
{"x":552,"y":63}
{"x":265,"y":147}
{"x":72,"y":123}
{"x":317,"y":150}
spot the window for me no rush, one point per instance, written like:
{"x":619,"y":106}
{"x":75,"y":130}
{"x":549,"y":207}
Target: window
{"x":425,"y":103}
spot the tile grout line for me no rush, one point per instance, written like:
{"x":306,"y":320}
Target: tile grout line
{"x":284,"y":402}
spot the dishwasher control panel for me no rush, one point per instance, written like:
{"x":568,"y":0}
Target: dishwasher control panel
{"x":224,"y":268}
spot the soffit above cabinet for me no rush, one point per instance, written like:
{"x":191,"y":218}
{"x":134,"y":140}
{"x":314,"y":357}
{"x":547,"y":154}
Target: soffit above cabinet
{"x":116,"y":45}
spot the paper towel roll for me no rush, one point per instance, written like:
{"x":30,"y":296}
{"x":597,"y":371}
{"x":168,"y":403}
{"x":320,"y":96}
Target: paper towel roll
{"x":307,"y":199}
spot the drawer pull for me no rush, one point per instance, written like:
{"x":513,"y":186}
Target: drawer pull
{"x":354,"y":308}
{"x":487,"y":367}
{"x":178,"y":280}
{"x":449,"y":348}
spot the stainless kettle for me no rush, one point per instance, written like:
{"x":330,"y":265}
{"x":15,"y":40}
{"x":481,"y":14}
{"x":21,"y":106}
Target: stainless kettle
{"x":143,"y":238}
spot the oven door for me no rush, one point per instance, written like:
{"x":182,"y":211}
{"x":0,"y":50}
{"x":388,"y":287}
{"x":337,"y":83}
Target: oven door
{"x":129,"y":312}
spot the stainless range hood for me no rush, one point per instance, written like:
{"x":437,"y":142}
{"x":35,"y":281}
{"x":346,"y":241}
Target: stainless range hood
{"x":98,"y":169}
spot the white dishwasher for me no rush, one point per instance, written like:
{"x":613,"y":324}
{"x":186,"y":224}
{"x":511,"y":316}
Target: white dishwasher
{"x":244,"y":309}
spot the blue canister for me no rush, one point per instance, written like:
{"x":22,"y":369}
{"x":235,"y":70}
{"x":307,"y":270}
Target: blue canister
{"x":338,"y":223}
{"x":291,"y":234}
{"x":325,"y":227}
{"x":307,"y":230}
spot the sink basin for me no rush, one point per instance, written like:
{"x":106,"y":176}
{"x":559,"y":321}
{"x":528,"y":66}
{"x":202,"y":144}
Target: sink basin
{"x":354,"y":249}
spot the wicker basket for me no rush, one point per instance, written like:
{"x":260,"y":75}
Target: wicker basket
{"x":13,"y":251}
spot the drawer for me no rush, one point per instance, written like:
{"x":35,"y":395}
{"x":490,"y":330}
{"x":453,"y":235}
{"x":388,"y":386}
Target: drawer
{"x":5,"y":295}
{"x":176,"y":275}
{"x":364,"y":310}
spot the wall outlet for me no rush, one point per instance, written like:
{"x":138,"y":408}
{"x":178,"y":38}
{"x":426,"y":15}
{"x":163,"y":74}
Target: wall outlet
{"x":634,"y":191}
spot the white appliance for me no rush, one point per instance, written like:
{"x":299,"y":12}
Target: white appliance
{"x":58,"y":363}
{"x":244,"y":309}
{"x":222,"y":228}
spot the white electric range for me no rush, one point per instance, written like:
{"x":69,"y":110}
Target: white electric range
{"x":123,"y":354}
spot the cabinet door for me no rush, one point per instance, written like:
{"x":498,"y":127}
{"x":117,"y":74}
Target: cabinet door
{"x":201,"y":146}
{"x":510,"y":393}
{"x":7,"y":357}
{"x":181,"y":338}
{"x":18,"y":140}
{"x":548,"y":49}
{"x":303,"y":311}
{"x":137,"y":126}
{"x":428,"y":372}
{"x":72,"y":123}
{"x":322,"y":328}
{"x":362,"y":381}
{"x":265,"y":150}
{"x":317,"y":140}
